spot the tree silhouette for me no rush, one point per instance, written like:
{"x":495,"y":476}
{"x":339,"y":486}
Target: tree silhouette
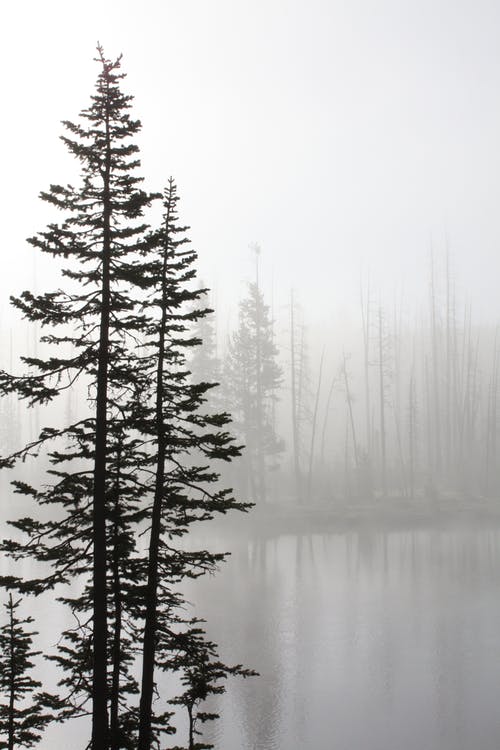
{"x":139,"y":464}
{"x":253,"y":376}
{"x":23,"y":717}
{"x":195,"y":658}
{"x":100,"y":234}
{"x":185,"y":440}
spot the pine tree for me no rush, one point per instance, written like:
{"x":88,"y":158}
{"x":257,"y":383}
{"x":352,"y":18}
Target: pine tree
{"x":253,"y":377}
{"x":184,"y":439}
{"x":204,"y":363}
{"x":202,"y":673}
{"x":100,"y":233}
{"x":23,"y":717}
{"x":140,"y":462}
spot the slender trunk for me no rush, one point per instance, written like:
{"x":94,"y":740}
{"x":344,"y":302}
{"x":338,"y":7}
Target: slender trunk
{"x":313,"y":432}
{"x":399,"y":441}
{"x":100,"y":725}
{"x":365,"y":318}
{"x":456,"y":388}
{"x":191,"y":726}
{"x":474,"y":406}
{"x":428,"y":415}
{"x":351,"y":414}
{"x":12,"y":679}
{"x":435,"y":372}
{"x":411,"y":435}
{"x":273,"y":340}
{"x":462,"y":399}
{"x":466,"y":412}
{"x":295,"y":426}
{"x":347,"y":479}
{"x":494,"y":399}
{"x":448,"y":366}
{"x":325,"y":420}
{"x":382,"y":403}
{"x":300,"y":404}
{"x":396,"y":401}
{"x":261,"y":480}
{"x":116,"y":650}
{"x":151,"y":619}
{"x":489,"y":422}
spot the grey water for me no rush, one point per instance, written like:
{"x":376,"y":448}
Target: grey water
{"x":376,"y":640}
{"x":364,"y":640}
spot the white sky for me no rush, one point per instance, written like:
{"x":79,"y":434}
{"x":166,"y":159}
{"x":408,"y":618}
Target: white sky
{"x":338,"y":134}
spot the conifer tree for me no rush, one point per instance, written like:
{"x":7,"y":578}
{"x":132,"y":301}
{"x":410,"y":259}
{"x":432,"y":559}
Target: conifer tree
{"x":204,"y":363}
{"x":23,"y":716}
{"x":101,"y":233}
{"x":202,"y":673}
{"x":185,"y":440}
{"x":140,"y":462}
{"x":253,"y":377}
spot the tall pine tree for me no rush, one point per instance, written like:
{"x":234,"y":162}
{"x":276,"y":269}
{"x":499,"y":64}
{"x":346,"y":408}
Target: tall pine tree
{"x":253,"y":377}
{"x":140,"y":463}
{"x":100,"y":234}
{"x":185,"y":439}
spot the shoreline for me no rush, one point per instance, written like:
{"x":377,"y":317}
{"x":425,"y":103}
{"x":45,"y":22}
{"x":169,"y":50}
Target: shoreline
{"x":376,"y":515}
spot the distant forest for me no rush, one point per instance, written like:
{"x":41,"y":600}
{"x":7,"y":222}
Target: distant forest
{"x":408,"y":410}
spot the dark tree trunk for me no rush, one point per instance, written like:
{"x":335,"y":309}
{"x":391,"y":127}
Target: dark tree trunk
{"x":118,"y":609}
{"x":12,"y":687}
{"x":151,"y":620}
{"x":100,"y":726}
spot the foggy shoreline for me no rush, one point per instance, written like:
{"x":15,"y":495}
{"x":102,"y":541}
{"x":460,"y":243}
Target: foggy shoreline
{"x":374,"y":515}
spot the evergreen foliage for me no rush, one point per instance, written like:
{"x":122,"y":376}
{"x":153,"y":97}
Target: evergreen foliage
{"x":186,"y":440}
{"x":141,"y":462}
{"x":202,"y":673}
{"x":23,"y":716}
{"x":93,"y":319}
{"x":204,"y":363}
{"x":252,"y":377}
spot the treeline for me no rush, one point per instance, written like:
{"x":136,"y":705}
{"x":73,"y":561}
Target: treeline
{"x":408,"y":409}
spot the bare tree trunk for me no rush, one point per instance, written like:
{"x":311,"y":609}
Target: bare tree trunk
{"x":325,"y":419}
{"x":295,"y":416}
{"x":365,"y":318}
{"x":411,"y":434}
{"x":447,"y":423}
{"x":261,"y":478}
{"x":313,"y":431}
{"x":351,"y":413}
{"x":430,"y":491}
{"x":397,"y":395}
{"x":383,"y":458}
{"x":435,"y":372}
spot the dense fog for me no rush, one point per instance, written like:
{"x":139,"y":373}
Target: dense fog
{"x":249,"y":433}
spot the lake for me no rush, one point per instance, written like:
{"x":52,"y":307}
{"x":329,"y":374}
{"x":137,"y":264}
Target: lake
{"x":367,"y":639}
{"x":364,"y":640}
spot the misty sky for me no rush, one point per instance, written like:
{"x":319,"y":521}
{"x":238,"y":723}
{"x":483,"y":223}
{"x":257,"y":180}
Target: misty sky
{"x":339,"y":135}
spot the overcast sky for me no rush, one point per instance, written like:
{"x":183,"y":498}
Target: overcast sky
{"x":339,"y":135}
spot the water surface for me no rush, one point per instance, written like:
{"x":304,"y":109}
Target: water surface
{"x":376,"y":640}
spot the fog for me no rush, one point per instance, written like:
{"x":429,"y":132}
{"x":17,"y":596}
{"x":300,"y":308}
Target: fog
{"x":339,"y":171}
{"x":344,"y":134}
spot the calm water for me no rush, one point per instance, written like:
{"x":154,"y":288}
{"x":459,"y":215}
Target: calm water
{"x":363,"y":641}
{"x":381,"y":641}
